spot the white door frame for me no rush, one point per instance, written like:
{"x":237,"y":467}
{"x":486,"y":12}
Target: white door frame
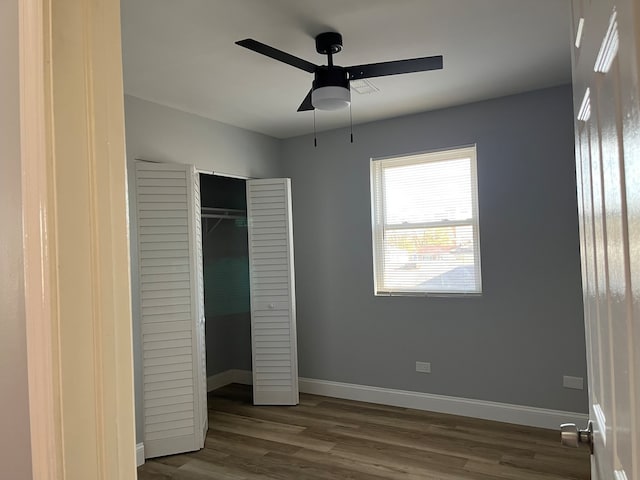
{"x":75,"y":245}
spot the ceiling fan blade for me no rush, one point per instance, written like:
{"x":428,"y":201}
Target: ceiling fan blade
{"x":276,"y":54}
{"x":394,"y":68}
{"x":306,"y":103}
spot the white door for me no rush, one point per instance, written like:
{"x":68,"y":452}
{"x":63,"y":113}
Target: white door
{"x":272,"y":283}
{"x":607,"y":129}
{"x":171,"y":308}
{"x":196,"y":242}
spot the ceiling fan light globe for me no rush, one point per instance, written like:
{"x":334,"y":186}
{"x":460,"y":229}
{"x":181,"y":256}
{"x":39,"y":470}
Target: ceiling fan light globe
{"x":330,"y":98}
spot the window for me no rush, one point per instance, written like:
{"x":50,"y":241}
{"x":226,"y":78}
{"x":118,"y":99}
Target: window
{"x":425,"y":224}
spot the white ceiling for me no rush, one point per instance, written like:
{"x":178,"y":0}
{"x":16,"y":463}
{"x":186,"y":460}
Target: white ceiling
{"x":182,"y":54}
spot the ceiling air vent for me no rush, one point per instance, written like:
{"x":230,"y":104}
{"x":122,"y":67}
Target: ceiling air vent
{"x":363,"y":87}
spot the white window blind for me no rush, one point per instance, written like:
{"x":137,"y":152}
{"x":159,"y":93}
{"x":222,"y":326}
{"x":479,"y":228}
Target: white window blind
{"x":425,"y":224}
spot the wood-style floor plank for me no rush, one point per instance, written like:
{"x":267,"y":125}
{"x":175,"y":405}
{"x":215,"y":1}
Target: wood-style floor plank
{"x":334,"y":439}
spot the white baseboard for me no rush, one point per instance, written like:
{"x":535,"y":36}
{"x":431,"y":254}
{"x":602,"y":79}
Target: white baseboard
{"x":219,"y":380}
{"x":500,"y":412}
{"x":244,"y":377}
{"x":466,"y":407}
{"x":139,"y":454}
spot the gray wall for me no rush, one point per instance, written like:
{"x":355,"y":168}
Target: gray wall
{"x":15,"y":444}
{"x":515,"y":342}
{"x":156,"y":132}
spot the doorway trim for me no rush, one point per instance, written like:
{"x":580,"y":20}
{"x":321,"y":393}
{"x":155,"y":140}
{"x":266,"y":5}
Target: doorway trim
{"x":75,"y":240}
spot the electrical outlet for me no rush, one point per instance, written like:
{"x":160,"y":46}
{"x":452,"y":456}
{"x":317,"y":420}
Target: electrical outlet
{"x":576,"y":383}
{"x":423,"y":367}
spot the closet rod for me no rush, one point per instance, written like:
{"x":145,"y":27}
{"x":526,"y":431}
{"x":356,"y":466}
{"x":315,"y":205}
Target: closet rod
{"x":210,"y":212}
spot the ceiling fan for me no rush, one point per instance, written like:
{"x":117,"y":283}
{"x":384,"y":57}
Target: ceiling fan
{"x":330,"y":88}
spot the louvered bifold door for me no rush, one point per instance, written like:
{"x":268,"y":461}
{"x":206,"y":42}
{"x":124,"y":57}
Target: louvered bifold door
{"x":273,"y":312}
{"x":167,"y":216}
{"x":198,"y":280}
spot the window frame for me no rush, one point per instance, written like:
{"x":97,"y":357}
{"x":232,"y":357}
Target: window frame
{"x":379,"y":226}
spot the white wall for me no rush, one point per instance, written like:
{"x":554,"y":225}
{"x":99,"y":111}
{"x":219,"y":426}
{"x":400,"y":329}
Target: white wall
{"x":156,"y":132}
{"x":15,"y":445}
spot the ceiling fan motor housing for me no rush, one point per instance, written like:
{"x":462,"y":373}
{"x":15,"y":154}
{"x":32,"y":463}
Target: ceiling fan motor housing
{"x":330,"y":77}
{"x":330,"y":89}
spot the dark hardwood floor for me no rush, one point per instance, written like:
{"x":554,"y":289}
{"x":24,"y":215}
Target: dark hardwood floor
{"x":333,"y":439}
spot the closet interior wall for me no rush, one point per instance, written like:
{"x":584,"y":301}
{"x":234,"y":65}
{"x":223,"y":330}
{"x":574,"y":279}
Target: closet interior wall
{"x":226,"y":273}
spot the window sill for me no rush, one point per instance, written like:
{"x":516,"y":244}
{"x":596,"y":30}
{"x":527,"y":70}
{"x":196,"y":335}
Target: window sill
{"x":430,"y":294}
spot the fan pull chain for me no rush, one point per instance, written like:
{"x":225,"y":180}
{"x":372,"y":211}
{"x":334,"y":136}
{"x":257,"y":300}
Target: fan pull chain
{"x":351,"y":122}
{"x":315,"y":139}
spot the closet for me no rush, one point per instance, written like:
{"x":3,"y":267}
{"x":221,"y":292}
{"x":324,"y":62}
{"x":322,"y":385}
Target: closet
{"x":171,"y":228}
{"x":225,"y":258}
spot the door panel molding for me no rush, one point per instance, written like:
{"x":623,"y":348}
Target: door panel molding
{"x":605,"y":64}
